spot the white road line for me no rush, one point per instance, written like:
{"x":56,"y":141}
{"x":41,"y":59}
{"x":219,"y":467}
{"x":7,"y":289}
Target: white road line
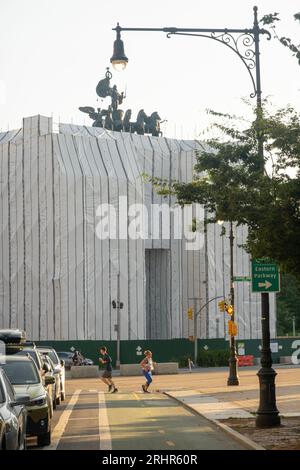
{"x":104,"y":431}
{"x":62,"y":422}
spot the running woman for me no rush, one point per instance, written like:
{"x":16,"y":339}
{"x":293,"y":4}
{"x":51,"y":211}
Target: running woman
{"x":147,"y":366}
{"x":107,"y":374}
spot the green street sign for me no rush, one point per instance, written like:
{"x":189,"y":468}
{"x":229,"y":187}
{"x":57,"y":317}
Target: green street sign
{"x":265,"y":276}
{"x":241,"y":278}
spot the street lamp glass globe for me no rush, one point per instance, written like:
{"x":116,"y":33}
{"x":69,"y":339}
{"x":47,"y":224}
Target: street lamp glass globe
{"x":119,"y":65}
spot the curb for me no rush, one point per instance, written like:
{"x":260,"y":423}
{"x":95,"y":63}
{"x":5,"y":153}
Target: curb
{"x":234,"y":434}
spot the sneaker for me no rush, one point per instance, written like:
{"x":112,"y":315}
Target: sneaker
{"x":115,"y":390}
{"x":110,"y":388}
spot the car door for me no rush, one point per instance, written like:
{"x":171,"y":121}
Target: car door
{"x":11,"y":416}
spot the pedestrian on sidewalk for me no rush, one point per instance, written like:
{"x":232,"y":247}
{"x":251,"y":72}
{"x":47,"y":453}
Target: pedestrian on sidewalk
{"x":147,"y":366}
{"x":107,"y":374}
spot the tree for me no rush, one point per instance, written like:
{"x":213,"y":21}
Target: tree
{"x":288,"y":305}
{"x":230,"y":183}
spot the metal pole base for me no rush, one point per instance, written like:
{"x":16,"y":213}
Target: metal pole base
{"x":267,"y":413}
{"x":233,"y":378}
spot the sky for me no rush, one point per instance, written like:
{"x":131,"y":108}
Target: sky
{"x":54,"y":52}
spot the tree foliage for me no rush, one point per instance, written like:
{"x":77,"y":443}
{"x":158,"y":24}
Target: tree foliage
{"x":288,"y":305}
{"x":229,"y":181}
{"x":270,"y":20}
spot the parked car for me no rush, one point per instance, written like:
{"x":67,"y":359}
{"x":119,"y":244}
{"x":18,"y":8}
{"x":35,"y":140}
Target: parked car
{"x":59,"y":365}
{"x":74,"y":358}
{"x":13,"y":416}
{"x":25,"y":378}
{"x":55,"y":387}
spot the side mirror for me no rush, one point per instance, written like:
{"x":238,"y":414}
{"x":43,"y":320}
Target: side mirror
{"x":49,"y":380}
{"x":21,"y":400}
{"x":62,"y":363}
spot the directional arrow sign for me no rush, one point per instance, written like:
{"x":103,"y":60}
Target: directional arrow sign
{"x":265,"y":276}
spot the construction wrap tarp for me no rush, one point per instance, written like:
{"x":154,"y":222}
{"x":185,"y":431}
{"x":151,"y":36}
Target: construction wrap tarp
{"x":69,"y":246}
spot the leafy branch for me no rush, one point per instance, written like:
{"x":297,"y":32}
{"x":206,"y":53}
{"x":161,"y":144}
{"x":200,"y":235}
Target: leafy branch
{"x":271,"y":20}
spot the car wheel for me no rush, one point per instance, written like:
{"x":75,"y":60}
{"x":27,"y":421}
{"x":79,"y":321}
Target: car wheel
{"x":44,"y":439}
{"x":63,"y":396}
{"x":57,"y":400}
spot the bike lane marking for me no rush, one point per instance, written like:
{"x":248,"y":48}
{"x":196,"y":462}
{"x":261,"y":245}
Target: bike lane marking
{"x":62,"y":422}
{"x":104,"y":429}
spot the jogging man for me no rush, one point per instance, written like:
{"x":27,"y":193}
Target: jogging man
{"x":147,"y":368}
{"x":107,"y":374}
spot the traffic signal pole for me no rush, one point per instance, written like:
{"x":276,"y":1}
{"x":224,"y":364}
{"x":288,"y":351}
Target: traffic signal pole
{"x":233,"y":376}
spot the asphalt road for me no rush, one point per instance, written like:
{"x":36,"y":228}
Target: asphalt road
{"x":91,"y":419}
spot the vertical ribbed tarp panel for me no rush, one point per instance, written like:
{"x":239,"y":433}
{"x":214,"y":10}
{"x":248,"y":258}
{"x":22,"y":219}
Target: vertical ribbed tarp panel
{"x":104,"y":245}
{"x":113,"y":253}
{"x":49,"y":236}
{"x":134,"y":168}
{"x":13,"y":244}
{"x":19,"y":292}
{"x":75,"y":238}
{"x":176,"y":306}
{"x":119,"y":248}
{"x":5,"y":248}
{"x":101,"y":246}
{"x":61,"y":252}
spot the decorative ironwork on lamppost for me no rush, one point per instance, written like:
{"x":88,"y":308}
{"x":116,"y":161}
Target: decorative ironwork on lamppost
{"x":245,"y":44}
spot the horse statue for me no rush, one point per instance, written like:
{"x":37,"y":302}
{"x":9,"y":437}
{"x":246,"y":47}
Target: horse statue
{"x":127,"y":125}
{"x":117,"y":117}
{"x":153,"y":124}
{"x":140,"y":124}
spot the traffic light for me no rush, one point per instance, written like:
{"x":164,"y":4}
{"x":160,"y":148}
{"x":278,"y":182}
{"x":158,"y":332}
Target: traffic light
{"x":221,"y":305}
{"x":229,"y":309}
{"x":232,"y":328}
{"x":190,"y":313}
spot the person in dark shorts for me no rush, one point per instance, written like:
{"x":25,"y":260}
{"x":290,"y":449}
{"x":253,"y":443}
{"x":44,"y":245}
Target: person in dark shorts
{"x":147,"y":366}
{"x":107,"y":373}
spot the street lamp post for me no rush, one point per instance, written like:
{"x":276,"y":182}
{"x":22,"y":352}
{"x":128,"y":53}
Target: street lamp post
{"x":241,"y":42}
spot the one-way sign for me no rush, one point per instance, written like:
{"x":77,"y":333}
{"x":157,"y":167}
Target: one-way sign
{"x":265,"y":276}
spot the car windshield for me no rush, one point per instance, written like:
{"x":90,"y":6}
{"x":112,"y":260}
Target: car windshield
{"x":21,"y":373}
{"x":30,"y":352}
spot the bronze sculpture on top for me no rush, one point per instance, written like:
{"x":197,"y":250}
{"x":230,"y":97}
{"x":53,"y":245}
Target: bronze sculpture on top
{"x":114,"y":119}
